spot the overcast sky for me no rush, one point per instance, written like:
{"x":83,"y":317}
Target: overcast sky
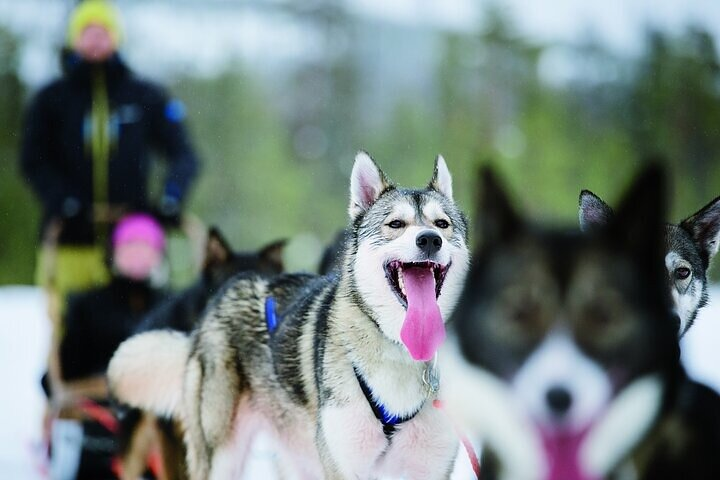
{"x":174,"y":35}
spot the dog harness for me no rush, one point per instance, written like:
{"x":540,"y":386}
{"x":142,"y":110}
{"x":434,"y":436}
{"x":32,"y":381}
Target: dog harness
{"x":388,"y":420}
{"x":270,"y":314}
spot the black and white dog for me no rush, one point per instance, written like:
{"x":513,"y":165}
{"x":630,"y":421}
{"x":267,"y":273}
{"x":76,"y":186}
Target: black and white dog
{"x":568,"y":366}
{"x":339,"y":368}
{"x":689,"y":247}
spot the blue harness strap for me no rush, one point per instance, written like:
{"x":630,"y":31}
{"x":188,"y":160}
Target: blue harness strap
{"x":389,"y":421}
{"x":271,"y":317}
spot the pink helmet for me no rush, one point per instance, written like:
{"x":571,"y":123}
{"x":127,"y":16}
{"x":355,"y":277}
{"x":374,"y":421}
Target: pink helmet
{"x":139,"y":227}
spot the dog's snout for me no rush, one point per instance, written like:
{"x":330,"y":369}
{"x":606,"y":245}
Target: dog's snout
{"x":429,"y":242}
{"x":559,"y":400}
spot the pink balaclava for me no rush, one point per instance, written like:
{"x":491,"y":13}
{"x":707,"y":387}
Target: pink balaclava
{"x":138,"y":243}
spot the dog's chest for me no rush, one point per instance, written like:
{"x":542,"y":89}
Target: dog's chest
{"x":399,"y":391}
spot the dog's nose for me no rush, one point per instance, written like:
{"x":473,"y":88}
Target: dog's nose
{"x":559,"y":400}
{"x":429,"y":242}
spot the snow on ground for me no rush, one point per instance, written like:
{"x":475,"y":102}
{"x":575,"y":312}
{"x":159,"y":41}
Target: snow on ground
{"x":24,"y":335}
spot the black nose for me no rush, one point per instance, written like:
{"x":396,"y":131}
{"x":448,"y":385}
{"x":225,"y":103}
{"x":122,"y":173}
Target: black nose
{"x":429,"y":242}
{"x":559,"y":400}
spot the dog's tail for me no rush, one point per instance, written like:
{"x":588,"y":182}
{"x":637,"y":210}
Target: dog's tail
{"x":147,"y":371}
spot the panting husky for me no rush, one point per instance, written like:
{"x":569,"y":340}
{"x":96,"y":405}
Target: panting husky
{"x":571,"y":368}
{"x":689,"y":247}
{"x":340,"y":368}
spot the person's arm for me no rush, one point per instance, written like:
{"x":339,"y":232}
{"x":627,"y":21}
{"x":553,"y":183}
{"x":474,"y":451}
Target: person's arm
{"x":170,"y":136}
{"x":37,"y":160}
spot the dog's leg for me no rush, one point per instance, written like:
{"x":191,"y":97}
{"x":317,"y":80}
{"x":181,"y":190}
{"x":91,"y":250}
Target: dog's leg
{"x":136,"y":440}
{"x":198,"y":461}
{"x":172,"y":449}
{"x":212,"y":392}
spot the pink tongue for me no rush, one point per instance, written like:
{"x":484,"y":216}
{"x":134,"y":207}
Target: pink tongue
{"x":561,"y":450}
{"x":423,"y":329}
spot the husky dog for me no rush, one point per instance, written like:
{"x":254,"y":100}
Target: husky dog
{"x":182,"y":312}
{"x":340,"y":368}
{"x":570,"y":368}
{"x":689,"y":247}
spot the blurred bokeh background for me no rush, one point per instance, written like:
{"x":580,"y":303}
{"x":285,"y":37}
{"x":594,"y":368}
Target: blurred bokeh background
{"x":561,"y":95}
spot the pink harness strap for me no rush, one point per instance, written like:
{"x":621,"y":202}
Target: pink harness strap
{"x":469,"y":450}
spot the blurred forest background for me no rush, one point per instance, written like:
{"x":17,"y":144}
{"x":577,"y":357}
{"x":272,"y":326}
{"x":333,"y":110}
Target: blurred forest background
{"x":277,"y":138}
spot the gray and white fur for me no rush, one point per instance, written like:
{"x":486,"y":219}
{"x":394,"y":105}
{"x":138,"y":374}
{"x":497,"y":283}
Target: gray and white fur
{"x":690,"y":246}
{"x":301,"y":382}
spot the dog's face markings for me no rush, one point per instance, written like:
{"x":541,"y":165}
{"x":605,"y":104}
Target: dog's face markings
{"x":411,"y":254}
{"x":690,"y":246}
{"x":566,"y":321}
{"x":561,"y":386}
{"x":687,"y":288}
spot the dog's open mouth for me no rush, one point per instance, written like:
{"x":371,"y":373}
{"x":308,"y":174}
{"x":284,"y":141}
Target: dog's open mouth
{"x":395,"y":272}
{"x":417,"y":285}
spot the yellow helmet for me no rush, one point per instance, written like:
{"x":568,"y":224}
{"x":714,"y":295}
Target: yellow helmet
{"x":100,"y":12}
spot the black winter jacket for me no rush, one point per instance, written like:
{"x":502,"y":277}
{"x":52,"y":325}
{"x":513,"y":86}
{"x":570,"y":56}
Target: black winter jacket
{"x":97,"y":321}
{"x":57,"y":158}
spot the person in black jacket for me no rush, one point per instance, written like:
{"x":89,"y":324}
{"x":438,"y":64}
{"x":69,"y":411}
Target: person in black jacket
{"x":86,"y":152}
{"x":86,"y":149}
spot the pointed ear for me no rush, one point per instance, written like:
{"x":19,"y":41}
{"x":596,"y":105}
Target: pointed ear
{"x":592,"y":211}
{"x":495,"y":220}
{"x":217,"y":250}
{"x":271,"y":256}
{"x":704,"y":228}
{"x":441,"y":180}
{"x":639,"y":221}
{"x":367,"y":182}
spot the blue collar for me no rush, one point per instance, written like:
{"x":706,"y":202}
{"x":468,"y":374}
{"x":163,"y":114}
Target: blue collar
{"x":389,"y":421}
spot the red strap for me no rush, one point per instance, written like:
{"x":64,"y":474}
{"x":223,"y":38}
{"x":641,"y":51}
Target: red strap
{"x":106,"y":418}
{"x":100,"y":414}
{"x":469,"y":449}
{"x":155,"y":462}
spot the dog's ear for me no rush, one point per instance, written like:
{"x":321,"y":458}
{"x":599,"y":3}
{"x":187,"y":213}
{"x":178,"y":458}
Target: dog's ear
{"x":495,"y":219}
{"x":592,"y":211}
{"x":704,"y":228}
{"x":441,"y":180}
{"x":639,"y":221}
{"x":271,"y":257}
{"x":367,"y":182}
{"x":217,"y":250}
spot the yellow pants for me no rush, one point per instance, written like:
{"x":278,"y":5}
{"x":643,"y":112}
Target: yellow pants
{"x":65,"y":269}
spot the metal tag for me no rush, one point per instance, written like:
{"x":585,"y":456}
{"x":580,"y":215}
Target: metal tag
{"x":431,"y":376}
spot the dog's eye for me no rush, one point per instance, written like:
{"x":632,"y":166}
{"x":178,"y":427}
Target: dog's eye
{"x":442,"y":223}
{"x":681,"y":273}
{"x":396,"y":224}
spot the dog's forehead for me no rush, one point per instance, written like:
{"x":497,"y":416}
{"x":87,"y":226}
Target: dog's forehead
{"x":410,"y":202}
{"x":403,"y":209}
{"x":679,"y":243}
{"x":433,"y":209}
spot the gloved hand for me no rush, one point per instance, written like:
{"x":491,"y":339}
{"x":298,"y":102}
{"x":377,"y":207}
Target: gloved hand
{"x":168,"y":212}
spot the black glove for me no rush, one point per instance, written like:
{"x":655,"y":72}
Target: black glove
{"x":168,"y":212}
